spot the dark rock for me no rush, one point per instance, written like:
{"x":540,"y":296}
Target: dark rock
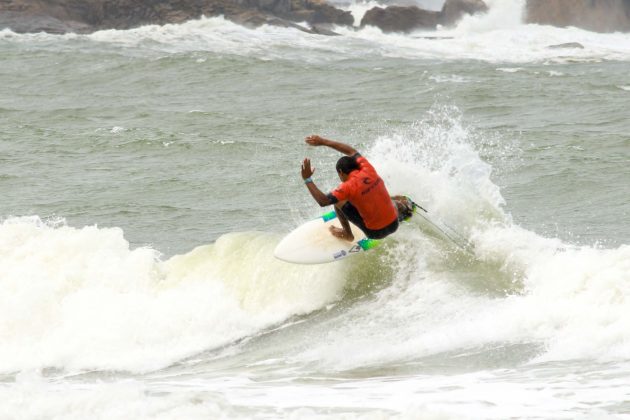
{"x":400,"y":18}
{"x":437,"y":38}
{"x":409,"y":18}
{"x":254,"y":19}
{"x":318,"y":11}
{"x":250,"y":19}
{"x":60,"y":16}
{"x":322,"y":30}
{"x":303,"y":15}
{"x":566,"y":45}
{"x":274,"y":6}
{"x":594,"y":15}
{"x":454,"y":10}
{"x":22,"y":23}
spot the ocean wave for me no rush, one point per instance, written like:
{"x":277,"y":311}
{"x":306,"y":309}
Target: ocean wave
{"x":82,"y":299}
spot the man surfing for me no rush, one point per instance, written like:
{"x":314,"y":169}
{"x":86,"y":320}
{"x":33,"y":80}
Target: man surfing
{"x":361,"y":198}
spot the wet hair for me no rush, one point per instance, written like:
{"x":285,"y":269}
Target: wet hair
{"x":347,"y":164}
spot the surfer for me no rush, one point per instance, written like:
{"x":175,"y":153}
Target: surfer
{"x":361,"y":198}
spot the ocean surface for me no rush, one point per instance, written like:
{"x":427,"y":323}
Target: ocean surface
{"x":147,"y":175}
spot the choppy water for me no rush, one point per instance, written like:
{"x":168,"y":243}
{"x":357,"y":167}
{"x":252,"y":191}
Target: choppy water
{"x":147,"y":175}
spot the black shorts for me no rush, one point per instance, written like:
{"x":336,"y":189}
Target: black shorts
{"x":352,"y":214}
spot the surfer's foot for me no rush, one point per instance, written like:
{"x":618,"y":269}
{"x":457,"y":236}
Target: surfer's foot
{"x":341,"y":233}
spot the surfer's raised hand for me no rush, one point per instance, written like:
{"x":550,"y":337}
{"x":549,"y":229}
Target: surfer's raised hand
{"x":307,"y":172}
{"x":315,"y":140}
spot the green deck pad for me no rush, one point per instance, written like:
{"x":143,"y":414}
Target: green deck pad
{"x":367,"y":243}
{"x":329,"y":216}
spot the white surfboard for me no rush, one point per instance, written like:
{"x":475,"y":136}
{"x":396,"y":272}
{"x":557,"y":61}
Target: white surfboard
{"x":312,"y":243}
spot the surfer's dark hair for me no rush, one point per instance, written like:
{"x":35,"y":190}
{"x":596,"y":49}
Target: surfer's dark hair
{"x":347,"y":164}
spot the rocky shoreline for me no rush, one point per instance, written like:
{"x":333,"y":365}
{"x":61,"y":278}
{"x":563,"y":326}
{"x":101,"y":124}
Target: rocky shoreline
{"x":313,"y":16}
{"x":409,"y":18}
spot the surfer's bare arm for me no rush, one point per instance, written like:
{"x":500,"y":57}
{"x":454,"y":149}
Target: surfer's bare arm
{"x":316,"y":140}
{"x":321,"y":198}
{"x":318,"y":195}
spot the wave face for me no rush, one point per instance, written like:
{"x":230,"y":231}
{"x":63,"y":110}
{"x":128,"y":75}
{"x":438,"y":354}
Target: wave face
{"x":82,"y":299}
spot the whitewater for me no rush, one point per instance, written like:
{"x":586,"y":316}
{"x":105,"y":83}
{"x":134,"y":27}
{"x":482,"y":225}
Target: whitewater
{"x":148,"y":174}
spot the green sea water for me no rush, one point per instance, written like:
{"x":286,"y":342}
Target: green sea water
{"x":178,"y":149}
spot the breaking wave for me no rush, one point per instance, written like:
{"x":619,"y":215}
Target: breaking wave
{"x":81,"y":298}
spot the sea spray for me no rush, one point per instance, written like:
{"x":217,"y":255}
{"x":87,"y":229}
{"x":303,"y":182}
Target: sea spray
{"x":436,"y":161}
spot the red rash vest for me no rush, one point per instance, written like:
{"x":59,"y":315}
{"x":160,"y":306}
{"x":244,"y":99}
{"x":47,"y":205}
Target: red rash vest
{"x":366,"y":191}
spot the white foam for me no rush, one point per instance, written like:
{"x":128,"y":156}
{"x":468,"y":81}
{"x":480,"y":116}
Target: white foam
{"x":576,"y":297}
{"x":117,"y":130}
{"x":234,"y":397}
{"x":502,"y":15}
{"x":80,"y":298}
{"x":510,"y":69}
{"x":453,"y":78}
{"x":33,"y":397}
{"x":358,"y":9}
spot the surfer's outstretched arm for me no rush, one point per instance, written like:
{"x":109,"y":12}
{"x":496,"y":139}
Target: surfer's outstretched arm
{"x":321,"y":198}
{"x":316,"y":140}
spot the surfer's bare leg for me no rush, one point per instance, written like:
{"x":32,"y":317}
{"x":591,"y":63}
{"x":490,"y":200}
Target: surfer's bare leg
{"x":345,"y":232}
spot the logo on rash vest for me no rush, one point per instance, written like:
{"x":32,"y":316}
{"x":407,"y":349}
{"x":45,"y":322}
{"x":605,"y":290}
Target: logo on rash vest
{"x":366,"y":181}
{"x":340,"y":254}
{"x":371,"y":187}
{"x":354,"y":249}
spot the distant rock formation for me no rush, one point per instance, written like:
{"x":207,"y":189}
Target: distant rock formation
{"x":409,"y":18}
{"x":454,"y":10}
{"x":566,"y":45}
{"x":594,"y":15}
{"x":400,"y":18}
{"x":83,"y":16}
